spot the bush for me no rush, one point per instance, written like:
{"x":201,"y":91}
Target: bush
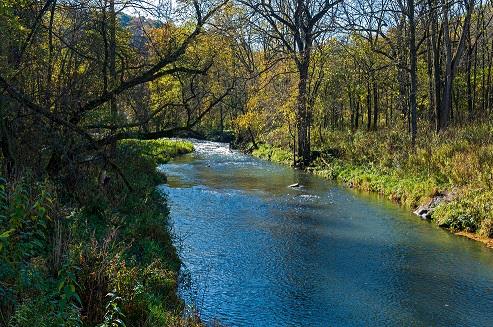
{"x":471,"y":210}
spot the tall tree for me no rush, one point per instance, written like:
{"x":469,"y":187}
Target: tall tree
{"x":297,"y":26}
{"x":453,"y":58}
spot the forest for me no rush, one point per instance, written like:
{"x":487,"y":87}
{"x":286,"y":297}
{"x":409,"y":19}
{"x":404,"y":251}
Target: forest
{"x":391,"y":97}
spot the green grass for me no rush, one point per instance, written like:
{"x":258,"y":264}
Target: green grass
{"x":406,"y":190}
{"x":160,"y":151}
{"x":274,"y":154}
{"x":471,"y":211}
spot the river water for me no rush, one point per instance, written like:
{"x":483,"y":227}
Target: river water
{"x":258,"y":253}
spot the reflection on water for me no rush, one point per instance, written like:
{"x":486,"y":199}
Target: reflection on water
{"x":259,"y":253}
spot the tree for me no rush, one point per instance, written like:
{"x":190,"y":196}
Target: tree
{"x":296,"y":27}
{"x":452,"y":58}
{"x":74,"y":94}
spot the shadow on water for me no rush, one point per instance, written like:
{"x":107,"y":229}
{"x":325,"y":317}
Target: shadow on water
{"x":260,"y":253}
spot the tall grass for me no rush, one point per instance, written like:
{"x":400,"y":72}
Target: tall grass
{"x":458,"y":161}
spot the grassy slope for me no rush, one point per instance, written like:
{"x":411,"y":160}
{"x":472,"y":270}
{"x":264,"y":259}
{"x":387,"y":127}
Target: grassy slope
{"x":458,"y":162}
{"x":114,"y":241}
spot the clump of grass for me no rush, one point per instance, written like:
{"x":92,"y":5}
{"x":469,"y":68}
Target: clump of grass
{"x":274,"y":154}
{"x":408,"y":191}
{"x":471,"y":211}
{"x":160,"y":151}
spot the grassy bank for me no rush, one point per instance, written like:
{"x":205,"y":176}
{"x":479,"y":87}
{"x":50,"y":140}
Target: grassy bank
{"x":274,"y":154}
{"x":99,"y":254}
{"x":458,"y":164}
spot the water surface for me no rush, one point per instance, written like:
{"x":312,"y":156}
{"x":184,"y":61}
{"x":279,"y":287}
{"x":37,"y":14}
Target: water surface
{"x":257,"y":253}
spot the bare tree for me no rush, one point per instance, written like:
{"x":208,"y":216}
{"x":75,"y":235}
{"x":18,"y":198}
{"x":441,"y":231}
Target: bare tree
{"x":296,"y":27}
{"x":463,"y":8}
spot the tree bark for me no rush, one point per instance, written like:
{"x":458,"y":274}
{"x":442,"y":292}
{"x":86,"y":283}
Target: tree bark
{"x":452,"y":60}
{"x":413,"y":57}
{"x":112,"y":68}
{"x":375,"y":104}
{"x":302,"y":112}
{"x":368,"y":104}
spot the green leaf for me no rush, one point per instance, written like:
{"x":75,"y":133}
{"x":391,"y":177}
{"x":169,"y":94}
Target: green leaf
{"x":60,"y":286}
{"x":6,"y":234}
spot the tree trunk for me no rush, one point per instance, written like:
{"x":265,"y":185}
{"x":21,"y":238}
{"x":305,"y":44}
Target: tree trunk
{"x":5,"y":144}
{"x":489,"y":93}
{"x":468,"y":77}
{"x":368,"y":103}
{"x":413,"y":57}
{"x":429,"y":71}
{"x":356,"y":118}
{"x":375,"y":104}
{"x":303,"y":122}
{"x":351,"y":105}
{"x":474,"y":82}
{"x":112,"y":66}
{"x":452,"y":61}
{"x":437,"y":69}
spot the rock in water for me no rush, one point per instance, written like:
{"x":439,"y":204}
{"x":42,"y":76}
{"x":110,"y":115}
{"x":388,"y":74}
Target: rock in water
{"x":425,"y":211}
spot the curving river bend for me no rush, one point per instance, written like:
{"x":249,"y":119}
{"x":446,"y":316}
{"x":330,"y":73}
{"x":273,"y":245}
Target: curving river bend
{"x":258,"y":253}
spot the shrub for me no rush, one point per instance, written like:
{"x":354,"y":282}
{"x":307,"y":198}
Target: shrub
{"x":274,"y":154}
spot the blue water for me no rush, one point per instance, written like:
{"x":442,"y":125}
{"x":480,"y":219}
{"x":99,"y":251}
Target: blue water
{"x":258,"y":253}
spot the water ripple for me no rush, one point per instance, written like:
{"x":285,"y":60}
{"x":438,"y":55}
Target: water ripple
{"x":261,"y":254}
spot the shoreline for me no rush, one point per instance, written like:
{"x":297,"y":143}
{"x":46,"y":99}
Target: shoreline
{"x":335,"y":173}
{"x":104,"y":248}
{"x":488,"y":242}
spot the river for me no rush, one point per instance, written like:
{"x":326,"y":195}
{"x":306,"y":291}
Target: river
{"x":258,"y":253}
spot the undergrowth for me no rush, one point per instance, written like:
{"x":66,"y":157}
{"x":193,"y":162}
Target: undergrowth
{"x":101,"y":256}
{"x":274,"y":154}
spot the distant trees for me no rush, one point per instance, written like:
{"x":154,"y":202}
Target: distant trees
{"x":79,"y":76}
{"x":419,"y":37}
{"x":400,"y":63}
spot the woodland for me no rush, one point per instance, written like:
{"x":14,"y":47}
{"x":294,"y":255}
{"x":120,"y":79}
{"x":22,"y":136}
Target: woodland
{"x":392,"y":97}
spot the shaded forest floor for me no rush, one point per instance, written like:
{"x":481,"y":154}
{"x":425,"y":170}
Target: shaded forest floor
{"x":455,"y":167}
{"x":98,"y":254}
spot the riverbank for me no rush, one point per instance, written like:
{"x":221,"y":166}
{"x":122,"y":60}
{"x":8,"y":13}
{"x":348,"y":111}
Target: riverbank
{"x":288,"y":247}
{"x":100,"y":254}
{"x":448,"y":175}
